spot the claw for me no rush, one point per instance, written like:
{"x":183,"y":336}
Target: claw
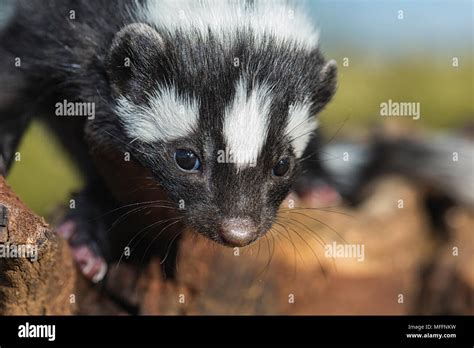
{"x":92,"y":266}
{"x":66,"y":229}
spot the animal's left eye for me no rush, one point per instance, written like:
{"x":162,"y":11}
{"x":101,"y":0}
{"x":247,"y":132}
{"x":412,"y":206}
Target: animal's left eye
{"x":282,"y":167}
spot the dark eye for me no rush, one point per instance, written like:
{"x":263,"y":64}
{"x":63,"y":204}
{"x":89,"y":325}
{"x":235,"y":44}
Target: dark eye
{"x":281,"y":168}
{"x":187,"y":160}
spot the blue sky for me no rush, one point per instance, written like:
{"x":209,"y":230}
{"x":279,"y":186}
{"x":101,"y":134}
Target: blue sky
{"x":371,"y":26}
{"x":430,"y":26}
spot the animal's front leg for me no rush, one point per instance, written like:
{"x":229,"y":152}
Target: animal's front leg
{"x":85,"y":230}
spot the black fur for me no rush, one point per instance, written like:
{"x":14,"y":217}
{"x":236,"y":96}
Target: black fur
{"x":82,"y":60}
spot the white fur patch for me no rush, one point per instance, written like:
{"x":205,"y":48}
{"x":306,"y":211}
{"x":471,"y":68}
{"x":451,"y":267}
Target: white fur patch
{"x":246,"y":123}
{"x":168,"y":116}
{"x":300,"y":126}
{"x":224,"y":18}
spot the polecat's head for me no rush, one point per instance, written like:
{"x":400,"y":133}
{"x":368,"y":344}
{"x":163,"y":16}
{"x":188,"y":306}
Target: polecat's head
{"x":221,"y":104}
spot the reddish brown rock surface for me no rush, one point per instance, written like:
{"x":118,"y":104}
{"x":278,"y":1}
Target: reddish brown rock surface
{"x":405,"y":270}
{"x":42,"y":286}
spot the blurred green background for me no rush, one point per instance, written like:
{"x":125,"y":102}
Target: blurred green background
{"x":407,"y":60}
{"x":45,"y":176}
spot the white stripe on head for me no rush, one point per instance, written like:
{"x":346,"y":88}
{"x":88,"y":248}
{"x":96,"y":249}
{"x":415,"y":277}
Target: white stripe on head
{"x":300,"y":126}
{"x":167,"y":117}
{"x":246,"y":123}
{"x":224,"y":18}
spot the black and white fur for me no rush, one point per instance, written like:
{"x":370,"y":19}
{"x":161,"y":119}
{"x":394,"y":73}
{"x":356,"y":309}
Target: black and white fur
{"x":441,"y":167}
{"x":443,"y":163}
{"x":245,"y":77}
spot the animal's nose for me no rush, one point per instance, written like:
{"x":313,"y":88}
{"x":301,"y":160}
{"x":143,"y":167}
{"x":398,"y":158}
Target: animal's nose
{"x":238,"y":232}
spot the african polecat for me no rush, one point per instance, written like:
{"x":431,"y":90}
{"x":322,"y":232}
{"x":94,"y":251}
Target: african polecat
{"x":214,"y":101}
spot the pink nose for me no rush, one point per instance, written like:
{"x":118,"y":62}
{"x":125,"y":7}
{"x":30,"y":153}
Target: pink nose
{"x":238,"y":232}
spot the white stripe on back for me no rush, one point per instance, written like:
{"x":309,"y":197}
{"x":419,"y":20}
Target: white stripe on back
{"x":224,"y":18}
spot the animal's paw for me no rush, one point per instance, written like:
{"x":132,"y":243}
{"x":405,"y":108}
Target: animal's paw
{"x":84,"y":248}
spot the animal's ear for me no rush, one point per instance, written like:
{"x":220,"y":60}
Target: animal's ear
{"x":327,"y":83}
{"x":134,"y":52}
